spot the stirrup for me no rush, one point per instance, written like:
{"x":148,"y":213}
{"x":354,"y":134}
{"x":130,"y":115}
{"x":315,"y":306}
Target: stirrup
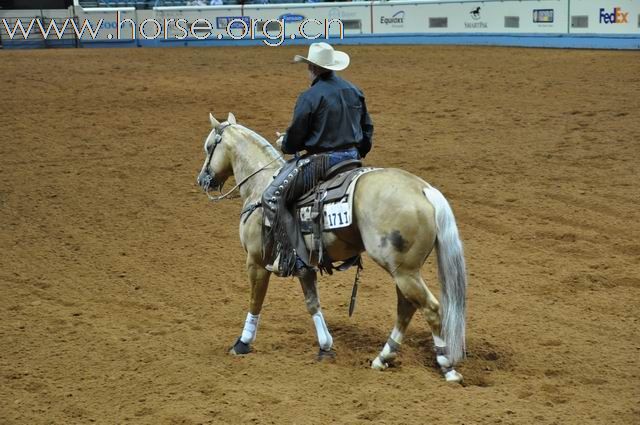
{"x":275,"y":267}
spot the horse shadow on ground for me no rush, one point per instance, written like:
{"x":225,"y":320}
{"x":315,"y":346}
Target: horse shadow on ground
{"x":362,"y":344}
{"x":359,"y":344}
{"x":358,"y":338}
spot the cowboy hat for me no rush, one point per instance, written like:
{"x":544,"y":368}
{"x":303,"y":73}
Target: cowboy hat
{"x":323,"y":55}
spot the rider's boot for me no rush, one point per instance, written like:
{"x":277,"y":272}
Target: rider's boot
{"x":275,"y":267}
{"x":299,"y":267}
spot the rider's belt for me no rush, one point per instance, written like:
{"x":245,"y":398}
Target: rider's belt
{"x":339,"y":149}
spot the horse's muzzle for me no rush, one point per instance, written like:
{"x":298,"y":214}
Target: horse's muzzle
{"x":206,"y":181}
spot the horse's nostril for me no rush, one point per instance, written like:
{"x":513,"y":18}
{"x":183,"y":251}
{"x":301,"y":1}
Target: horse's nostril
{"x":202,"y":178}
{"x":205,"y":180}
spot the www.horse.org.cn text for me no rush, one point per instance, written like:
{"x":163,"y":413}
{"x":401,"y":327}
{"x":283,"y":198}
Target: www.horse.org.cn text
{"x":272,"y":32}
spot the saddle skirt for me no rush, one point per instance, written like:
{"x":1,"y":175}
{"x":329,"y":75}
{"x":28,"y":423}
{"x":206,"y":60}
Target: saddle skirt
{"x":332,"y":200}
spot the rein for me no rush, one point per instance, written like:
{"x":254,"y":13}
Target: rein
{"x":237,"y":186}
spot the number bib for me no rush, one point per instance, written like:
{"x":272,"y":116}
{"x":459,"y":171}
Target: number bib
{"x":337,"y":215}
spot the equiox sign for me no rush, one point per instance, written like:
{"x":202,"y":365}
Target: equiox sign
{"x":396,"y":20}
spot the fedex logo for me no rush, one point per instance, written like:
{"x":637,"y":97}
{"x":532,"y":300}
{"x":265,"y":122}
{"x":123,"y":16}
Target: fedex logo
{"x":615,"y":17}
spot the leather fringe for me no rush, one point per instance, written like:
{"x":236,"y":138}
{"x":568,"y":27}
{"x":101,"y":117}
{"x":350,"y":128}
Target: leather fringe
{"x":276,"y":239}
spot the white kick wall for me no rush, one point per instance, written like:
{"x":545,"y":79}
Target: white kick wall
{"x":375,"y":18}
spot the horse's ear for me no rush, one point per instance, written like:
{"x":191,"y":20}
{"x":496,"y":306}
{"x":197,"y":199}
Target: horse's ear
{"x":231,"y":118}
{"x":214,"y":122}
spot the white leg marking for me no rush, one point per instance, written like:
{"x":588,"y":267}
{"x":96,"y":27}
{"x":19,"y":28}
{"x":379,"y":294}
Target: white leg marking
{"x":325,"y":341}
{"x":250,"y":328}
{"x":443,"y":361}
{"x":388,"y":352}
{"x":396,"y":335}
{"x":378,"y":364}
{"x":450,"y":374}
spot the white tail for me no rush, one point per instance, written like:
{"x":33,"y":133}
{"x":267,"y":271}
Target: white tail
{"x":452,"y":274}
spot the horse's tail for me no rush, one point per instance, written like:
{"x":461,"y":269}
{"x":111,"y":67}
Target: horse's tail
{"x":452,"y":274}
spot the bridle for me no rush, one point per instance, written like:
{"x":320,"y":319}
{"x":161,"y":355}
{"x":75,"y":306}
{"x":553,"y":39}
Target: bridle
{"x":217,"y":139}
{"x":208,"y":178}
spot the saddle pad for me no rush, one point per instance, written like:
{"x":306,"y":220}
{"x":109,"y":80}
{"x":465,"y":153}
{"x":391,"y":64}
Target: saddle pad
{"x":336,"y":214}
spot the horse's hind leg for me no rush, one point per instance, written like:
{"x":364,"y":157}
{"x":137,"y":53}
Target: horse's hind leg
{"x":308,"y":280}
{"x":406,"y":309}
{"x":415,"y":290}
{"x":431,"y":313}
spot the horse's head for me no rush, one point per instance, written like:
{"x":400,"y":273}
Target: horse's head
{"x":217,"y":164}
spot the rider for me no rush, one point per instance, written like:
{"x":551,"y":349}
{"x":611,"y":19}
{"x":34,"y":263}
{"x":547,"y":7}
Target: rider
{"x":331,"y":123}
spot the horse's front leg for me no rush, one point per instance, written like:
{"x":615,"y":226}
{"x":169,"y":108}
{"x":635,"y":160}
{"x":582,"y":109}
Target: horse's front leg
{"x":259,"y":280}
{"x":308,"y":280}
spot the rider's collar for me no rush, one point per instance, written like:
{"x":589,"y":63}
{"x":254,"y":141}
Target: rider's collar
{"x":323,"y":76}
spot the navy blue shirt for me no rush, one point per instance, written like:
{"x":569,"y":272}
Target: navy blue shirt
{"x":330,"y":115}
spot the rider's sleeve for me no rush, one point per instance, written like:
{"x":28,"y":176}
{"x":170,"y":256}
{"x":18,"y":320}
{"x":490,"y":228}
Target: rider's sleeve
{"x":367,"y":131}
{"x":297,"y":133}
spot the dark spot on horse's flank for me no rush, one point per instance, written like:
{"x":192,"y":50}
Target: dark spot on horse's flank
{"x":396,"y":239}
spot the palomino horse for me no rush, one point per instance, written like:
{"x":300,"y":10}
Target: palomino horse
{"x":398,"y":219}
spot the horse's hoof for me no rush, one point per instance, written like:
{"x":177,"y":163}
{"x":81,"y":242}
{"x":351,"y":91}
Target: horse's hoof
{"x":378,"y":364}
{"x":453,"y":377}
{"x":240,"y":348}
{"x":326,"y":355}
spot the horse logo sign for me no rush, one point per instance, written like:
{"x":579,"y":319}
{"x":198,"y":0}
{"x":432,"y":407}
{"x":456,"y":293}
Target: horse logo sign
{"x":476,"y":22}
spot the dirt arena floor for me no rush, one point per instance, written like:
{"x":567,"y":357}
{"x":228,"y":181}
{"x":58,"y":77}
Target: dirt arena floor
{"x":122,"y":287}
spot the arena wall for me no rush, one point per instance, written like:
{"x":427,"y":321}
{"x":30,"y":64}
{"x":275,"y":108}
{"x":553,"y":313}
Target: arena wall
{"x":542,"y":23}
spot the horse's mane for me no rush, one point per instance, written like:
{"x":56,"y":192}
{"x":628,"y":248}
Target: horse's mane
{"x":263,"y":143}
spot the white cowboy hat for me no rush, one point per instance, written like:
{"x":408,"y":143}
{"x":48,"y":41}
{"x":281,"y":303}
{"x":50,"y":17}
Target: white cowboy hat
{"x":323,"y":55}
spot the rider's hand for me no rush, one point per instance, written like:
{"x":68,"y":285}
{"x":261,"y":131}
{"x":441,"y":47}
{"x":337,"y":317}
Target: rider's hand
{"x":279,"y":139}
